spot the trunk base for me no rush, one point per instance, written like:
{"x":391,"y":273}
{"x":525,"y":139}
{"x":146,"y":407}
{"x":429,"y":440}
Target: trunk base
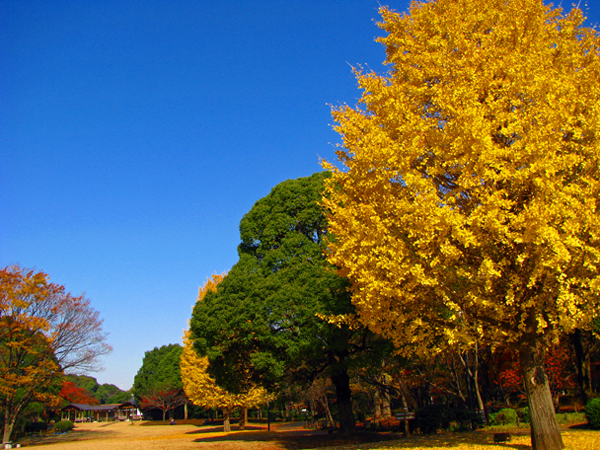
{"x":545,"y":434}
{"x":341,"y":381}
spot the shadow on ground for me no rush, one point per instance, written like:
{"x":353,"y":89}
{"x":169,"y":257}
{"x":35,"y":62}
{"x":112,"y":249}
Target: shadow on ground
{"x":310,"y":439}
{"x":74,"y":435}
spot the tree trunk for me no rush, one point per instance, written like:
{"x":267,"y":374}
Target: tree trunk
{"x":243,"y":418}
{"x":325,"y":403}
{"x":545,"y":434}
{"x":164,"y":414}
{"x":475,"y":375}
{"x":405,"y":409}
{"x":185,"y":411}
{"x":579,"y":364}
{"x":376,"y":405}
{"x":226,"y":423}
{"x":9,"y":423}
{"x":472,"y":379}
{"x":386,"y":409}
{"x":341,"y":381}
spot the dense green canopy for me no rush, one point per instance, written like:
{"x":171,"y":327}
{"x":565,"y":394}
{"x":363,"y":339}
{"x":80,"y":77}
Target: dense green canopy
{"x":262,"y":324}
{"x":159,"y":371}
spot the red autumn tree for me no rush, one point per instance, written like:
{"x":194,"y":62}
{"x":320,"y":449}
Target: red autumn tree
{"x":75,"y":394}
{"x":558,"y":368}
{"x":163,"y":399}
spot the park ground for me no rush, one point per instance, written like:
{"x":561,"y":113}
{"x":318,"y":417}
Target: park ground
{"x":288,"y":436}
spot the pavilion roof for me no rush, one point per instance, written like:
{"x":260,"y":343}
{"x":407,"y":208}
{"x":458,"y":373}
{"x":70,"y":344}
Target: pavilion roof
{"x":109,"y":407}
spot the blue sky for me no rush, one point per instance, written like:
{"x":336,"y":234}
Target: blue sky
{"x":135,"y":135}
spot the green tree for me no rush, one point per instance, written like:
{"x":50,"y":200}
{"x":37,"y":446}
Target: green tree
{"x":104,"y":393}
{"x":262,"y":324}
{"x":90,"y":384}
{"x":158,"y":382}
{"x":109,"y":393}
{"x":469,"y":201}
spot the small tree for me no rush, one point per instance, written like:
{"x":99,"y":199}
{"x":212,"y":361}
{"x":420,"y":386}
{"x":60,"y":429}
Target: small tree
{"x":164,"y":399}
{"x":75,"y":394}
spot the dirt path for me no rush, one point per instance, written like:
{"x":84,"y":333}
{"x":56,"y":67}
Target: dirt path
{"x":148,"y":436}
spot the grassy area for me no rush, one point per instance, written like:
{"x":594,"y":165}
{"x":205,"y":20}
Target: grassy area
{"x":564,"y":419}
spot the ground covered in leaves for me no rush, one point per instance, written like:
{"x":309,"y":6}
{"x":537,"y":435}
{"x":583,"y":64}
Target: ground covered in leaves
{"x":193,"y":435}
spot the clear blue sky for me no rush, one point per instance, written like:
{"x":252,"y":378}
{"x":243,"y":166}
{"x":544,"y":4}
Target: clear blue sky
{"x":134,"y":135}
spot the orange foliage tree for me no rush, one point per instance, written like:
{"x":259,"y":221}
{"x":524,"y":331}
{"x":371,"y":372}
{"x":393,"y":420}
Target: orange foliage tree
{"x":75,"y":394}
{"x":44,"y":331}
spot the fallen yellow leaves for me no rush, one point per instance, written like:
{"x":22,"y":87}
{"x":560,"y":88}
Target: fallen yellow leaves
{"x":573,"y":440}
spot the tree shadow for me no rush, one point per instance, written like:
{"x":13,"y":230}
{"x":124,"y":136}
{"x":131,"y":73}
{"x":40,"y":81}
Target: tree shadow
{"x":296,"y":440}
{"x":73,"y":435}
{"x":219,"y":429}
{"x":311,"y":439}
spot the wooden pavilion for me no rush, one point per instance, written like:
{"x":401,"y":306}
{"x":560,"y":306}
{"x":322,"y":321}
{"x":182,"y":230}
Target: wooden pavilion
{"x":77,"y":412}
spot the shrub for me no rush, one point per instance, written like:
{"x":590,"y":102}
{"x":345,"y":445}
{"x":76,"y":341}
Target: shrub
{"x":433,"y":417}
{"x":524,"y":414}
{"x":505,"y":416}
{"x":62,"y":426}
{"x":592,"y":412}
{"x":36,"y":427}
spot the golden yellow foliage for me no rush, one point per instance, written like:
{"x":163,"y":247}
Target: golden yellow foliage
{"x":202,"y":390}
{"x":468,"y":207}
{"x":470,"y":193}
{"x":210,"y":285}
{"x":199,"y":387}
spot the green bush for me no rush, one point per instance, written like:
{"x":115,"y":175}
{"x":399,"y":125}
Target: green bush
{"x":62,"y":426}
{"x":524,"y":414}
{"x":506,"y":416}
{"x":433,"y":417}
{"x":592,"y":412}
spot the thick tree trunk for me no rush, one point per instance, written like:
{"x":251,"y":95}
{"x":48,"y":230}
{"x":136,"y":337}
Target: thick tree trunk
{"x":376,"y":405}
{"x":243,"y":418}
{"x":185,"y":411}
{"x":545,"y":434}
{"x":9,"y":424}
{"x":341,"y":381}
{"x":226,"y":422}
{"x":386,"y":408}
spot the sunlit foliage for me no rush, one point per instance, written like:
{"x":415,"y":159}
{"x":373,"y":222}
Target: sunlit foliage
{"x":468,"y":204}
{"x":43,"y":331}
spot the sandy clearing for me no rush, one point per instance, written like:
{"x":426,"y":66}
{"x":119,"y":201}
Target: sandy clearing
{"x":144,"y":436}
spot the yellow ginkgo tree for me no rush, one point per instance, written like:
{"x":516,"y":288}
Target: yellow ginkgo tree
{"x":465,"y":205}
{"x":201,"y":389}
